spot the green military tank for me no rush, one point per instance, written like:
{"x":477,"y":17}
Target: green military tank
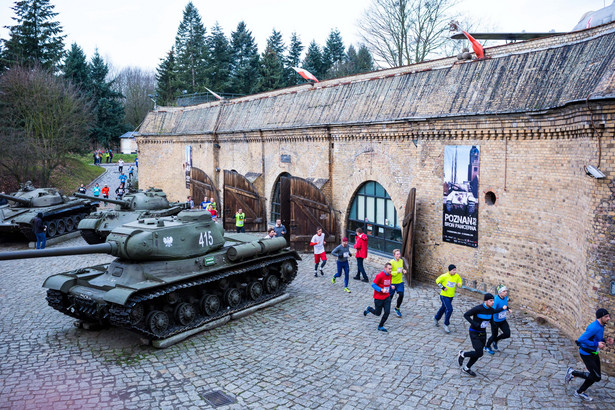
{"x":134,"y":205}
{"x":61,"y":214}
{"x":171,"y":275}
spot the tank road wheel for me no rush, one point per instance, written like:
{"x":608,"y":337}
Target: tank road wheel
{"x":210,"y":304}
{"x":255,"y":290}
{"x":61,"y":227}
{"x":172,"y":298}
{"x":158,"y":322}
{"x":286,"y":269}
{"x":136,"y":314}
{"x":232,"y":297}
{"x":52,"y":229}
{"x":77,"y":219}
{"x":184,"y":313}
{"x":69,"y":223}
{"x":272,"y":283}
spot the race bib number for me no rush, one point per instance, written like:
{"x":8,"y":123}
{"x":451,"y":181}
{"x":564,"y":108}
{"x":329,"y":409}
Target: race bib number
{"x":450,"y":284}
{"x":502,"y":315}
{"x":346,"y":254}
{"x":484,"y":324}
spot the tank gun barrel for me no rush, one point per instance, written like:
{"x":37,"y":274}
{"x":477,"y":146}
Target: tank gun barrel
{"x":75,"y":250}
{"x":16,"y":199}
{"x":111,"y":201}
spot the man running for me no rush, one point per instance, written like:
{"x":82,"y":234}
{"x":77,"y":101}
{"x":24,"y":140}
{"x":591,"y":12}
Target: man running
{"x":589,"y":343}
{"x":343,"y":253}
{"x":318,"y":242}
{"x":479,"y":318}
{"x":499,"y":321}
{"x":448,"y":282}
{"x":397,"y":279}
{"x":382,"y":296}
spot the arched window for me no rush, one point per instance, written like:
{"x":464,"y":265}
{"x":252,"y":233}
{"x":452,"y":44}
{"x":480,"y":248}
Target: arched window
{"x":373,"y":210}
{"x":275,"y":198}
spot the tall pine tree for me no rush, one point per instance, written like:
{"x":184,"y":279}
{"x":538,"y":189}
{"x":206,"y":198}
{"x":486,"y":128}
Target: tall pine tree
{"x":293,"y":59}
{"x":218,"y":60}
{"x":109,"y":111}
{"x":191,"y":51}
{"x":36,"y":39}
{"x":166,"y":80}
{"x":365,"y":61}
{"x":244,"y":61}
{"x":272,"y":74}
{"x":333,"y":54}
{"x":76,"y":69}
{"x":313,"y":60}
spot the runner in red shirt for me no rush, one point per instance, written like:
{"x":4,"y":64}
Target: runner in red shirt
{"x":382,"y":295}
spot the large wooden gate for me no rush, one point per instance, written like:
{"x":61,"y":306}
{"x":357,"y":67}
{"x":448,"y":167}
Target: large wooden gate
{"x":202,"y":187}
{"x":407,"y":250}
{"x":241,"y":193}
{"x":304,"y":208}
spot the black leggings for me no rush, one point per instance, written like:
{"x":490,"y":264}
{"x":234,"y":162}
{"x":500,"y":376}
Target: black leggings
{"x":494,"y":332}
{"x":592,"y":375}
{"x":321,"y":266}
{"x":380,"y":305}
{"x":478,"y":340}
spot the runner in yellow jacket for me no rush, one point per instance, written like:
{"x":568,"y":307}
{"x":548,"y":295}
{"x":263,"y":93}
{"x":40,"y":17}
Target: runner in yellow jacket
{"x":448,"y":282}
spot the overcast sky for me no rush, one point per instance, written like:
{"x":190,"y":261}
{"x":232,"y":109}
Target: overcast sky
{"x":140,"y":32}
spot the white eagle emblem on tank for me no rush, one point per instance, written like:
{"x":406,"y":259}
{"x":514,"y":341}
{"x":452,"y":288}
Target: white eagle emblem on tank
{"x":168,"y":241}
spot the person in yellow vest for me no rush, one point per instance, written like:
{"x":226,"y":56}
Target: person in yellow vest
{"x":240,"y":218}
{"x":397,"y":279}
{"x":448,"y":282}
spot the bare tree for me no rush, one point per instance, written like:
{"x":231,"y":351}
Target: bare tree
{"x":400,"y":32}
{"x":42,"y":119}
{"x":136,"y":85}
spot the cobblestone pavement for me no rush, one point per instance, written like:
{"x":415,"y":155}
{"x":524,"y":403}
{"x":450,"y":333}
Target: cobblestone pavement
{"x":315,"y":350}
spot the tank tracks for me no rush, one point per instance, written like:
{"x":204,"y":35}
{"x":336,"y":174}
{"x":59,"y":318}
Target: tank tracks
{"x":132,"y":315}
{"x":91,"y":237}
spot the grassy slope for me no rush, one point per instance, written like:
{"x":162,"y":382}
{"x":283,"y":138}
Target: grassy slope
{"x":76,"y":170}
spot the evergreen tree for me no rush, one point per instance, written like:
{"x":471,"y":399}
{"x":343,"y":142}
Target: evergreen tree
{"x":272,"y":73}
{"x":166,"y":80}
{"x":36,"y":39}
{"x":218,"y":61}
{"x":191,"y":51}
{"x":244,"y":61}
{"x":293,"y":60}
{"x":313,"y":60}
{"x":76,"y":69}
{"x":109,"y":111}
{"x":333,"y":53}
{"x":365,"y":61}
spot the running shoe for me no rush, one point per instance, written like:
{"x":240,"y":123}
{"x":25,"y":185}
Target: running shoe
{"x":322,"y":273}
{"x":435,"y":322}
{"x":366,"y":311}
{"x":469,"y":371}
{"x":315,"y":274}
{"x":569,"y":375}
{"x":446,"y":329}
{"x":582,"y":396}
{"x":382,"y":329}
{"x":356,"y":277}
{"x":495,"y":346}
{"x":460,"y":358}
{"x":365,"y":280}
{"x":488,"y":350}
{"x":397,"y":312}
{"x":347,"y":290}
{"x":333,"y":280}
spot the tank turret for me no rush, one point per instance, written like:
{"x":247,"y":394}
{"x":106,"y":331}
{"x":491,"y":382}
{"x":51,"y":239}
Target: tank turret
{"x":171,"y":274}
{"x":134,"y":206}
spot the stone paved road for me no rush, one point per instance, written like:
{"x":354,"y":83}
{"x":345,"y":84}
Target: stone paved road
{"x":315,"y":350}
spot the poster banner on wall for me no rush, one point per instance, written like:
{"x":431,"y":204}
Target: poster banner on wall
{"x":188,"y":164}
{"x":460,"y":201}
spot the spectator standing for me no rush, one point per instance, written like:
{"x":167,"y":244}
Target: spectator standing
{"x":213,"y":212}
{"x":270,"y":234}
{"x":39,"y":231}
{"x":360,"y":246}
{"x":240,"y":219}
{"x":280,"y":230}
{"x":382,"y":296}
{"x":318,"y":242}
{"x":190,"y":202}
{"x":137,"y":162}
{"x":108,"y":157}
{"x":343,"y":253}
{"x":96,"y":190}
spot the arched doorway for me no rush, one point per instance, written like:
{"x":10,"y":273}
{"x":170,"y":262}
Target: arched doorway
{"x":241,"y":193}
{"x":372,"y":209}
{"x":275,"y":197}
{"x":202,"y":187}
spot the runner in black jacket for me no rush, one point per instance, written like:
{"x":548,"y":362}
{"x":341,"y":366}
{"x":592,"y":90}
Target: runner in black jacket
{"x":479,"y":318}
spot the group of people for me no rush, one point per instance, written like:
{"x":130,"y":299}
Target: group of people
{"x":99,"y":155}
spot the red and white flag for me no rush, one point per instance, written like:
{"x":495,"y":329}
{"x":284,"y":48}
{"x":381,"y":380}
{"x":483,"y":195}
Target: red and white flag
{"x":476,"y":46}
{"x":214,"y":94}
{"x":305,"y":74}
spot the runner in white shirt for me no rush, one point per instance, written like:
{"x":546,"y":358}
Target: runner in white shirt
{"x":318,"y":242}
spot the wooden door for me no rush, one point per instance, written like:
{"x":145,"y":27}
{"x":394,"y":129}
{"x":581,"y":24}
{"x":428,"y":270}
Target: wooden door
{"x":303,"y":209}
{"x":407,"y":249}
{"x":241,"y":193}
{"x":202,"y":187}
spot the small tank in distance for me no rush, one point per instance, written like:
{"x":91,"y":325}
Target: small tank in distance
{"x":151,"y":203}
{"x":61,"y":214}
{"x":171,"y":274}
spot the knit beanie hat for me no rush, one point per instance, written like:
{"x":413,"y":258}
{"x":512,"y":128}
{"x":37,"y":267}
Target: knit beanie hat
{"x":601,"y":312}
{"x":488,"y":296}
{"x":451,"y":267}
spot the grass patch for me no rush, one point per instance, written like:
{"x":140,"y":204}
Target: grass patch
{"x":75,"y":171}
{"x":116,"y":157}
